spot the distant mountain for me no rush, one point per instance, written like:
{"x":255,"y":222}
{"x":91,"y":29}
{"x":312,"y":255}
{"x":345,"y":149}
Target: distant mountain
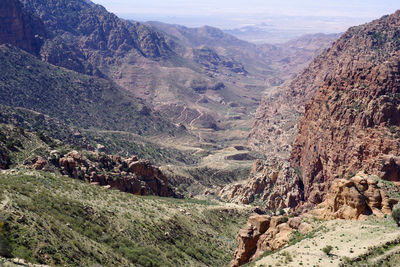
{"x":271,"y":62}
{"x":88,"y":32}
{"x":185,"y":74}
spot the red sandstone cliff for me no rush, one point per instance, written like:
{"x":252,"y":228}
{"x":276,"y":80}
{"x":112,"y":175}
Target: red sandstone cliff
{"x":20,"y":28}
{"x":350,"y":98}
{"x":353,"y":121}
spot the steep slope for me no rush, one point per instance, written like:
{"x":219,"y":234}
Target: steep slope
{"x":50,"y":219}
{"x":353,"y":120}
{"x":76,"y":99}
{"x":350,"y":123}
{"x":20,"y":28}
{"x":275,"y":125}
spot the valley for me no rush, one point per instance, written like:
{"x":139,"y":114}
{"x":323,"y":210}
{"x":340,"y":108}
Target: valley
{"x":126,"y":143}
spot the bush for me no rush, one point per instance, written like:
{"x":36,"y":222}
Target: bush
{"x":327,"y":250}
{"x":396,"y":216}
{"x":5,"y":248}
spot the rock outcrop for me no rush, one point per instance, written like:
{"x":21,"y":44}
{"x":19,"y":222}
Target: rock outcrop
{"x":353,"y":121}
{"x":128,"y":175}
{"x":276,"y":185}
{"x":19,"y":28}
{"x":264,"y":233}
{"x":355,"y":198}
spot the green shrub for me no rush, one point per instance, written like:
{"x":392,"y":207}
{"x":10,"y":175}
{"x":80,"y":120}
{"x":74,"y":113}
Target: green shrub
{"x":327,"y":250}
{"x":396,"y":216}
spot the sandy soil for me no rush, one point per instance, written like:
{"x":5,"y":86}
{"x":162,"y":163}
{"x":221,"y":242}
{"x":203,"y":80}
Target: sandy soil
{"x":348,"y":239}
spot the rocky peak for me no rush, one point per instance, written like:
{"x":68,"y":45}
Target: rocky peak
{"x":96,"y":31}
{"x":19,"y":28}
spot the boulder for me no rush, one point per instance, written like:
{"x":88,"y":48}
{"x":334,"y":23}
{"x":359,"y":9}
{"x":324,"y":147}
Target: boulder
{"x":355,"y":198}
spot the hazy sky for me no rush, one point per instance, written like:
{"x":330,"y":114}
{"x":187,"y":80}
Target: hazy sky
{"x":352,"y":8}
{"x":337,"y":15}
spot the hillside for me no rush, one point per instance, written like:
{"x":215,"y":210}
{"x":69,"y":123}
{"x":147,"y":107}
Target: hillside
{"x":344,"y":163}
{"x":76,"y":99}
{"x":90,"y":102}
{"x":108,"y":227}
{"x":105,"y":226}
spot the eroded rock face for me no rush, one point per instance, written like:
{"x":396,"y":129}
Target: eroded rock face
{"x":275,"y":126}
{"x":355,"y":198}
{"x":128,"y":175}
{"x":276,"y":185}
{"x":264,"y":233}
{"x":353,"y":121}
{"x":19,"y":28}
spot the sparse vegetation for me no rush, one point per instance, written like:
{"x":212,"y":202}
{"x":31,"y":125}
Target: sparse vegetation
{"x":396,"y":216}
{"x":327,"y":250}
{"x":72,"y":223}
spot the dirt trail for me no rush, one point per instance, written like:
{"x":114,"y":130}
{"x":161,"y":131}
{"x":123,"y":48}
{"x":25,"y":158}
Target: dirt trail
{"x":199,"y":111}
{"x":180,"y":115}
{"x":4,"y":202}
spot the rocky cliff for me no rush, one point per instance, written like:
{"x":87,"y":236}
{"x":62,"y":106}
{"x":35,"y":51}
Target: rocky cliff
{"x":274,"y":184}
{"x":353,"y":120}
{"x":275,"y":125}
{"x":129,"y":175}
{"x":20,"y":28}
{"x":355,"y":198}
{"x":350,"y":100}
{"x":265,"y":233}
